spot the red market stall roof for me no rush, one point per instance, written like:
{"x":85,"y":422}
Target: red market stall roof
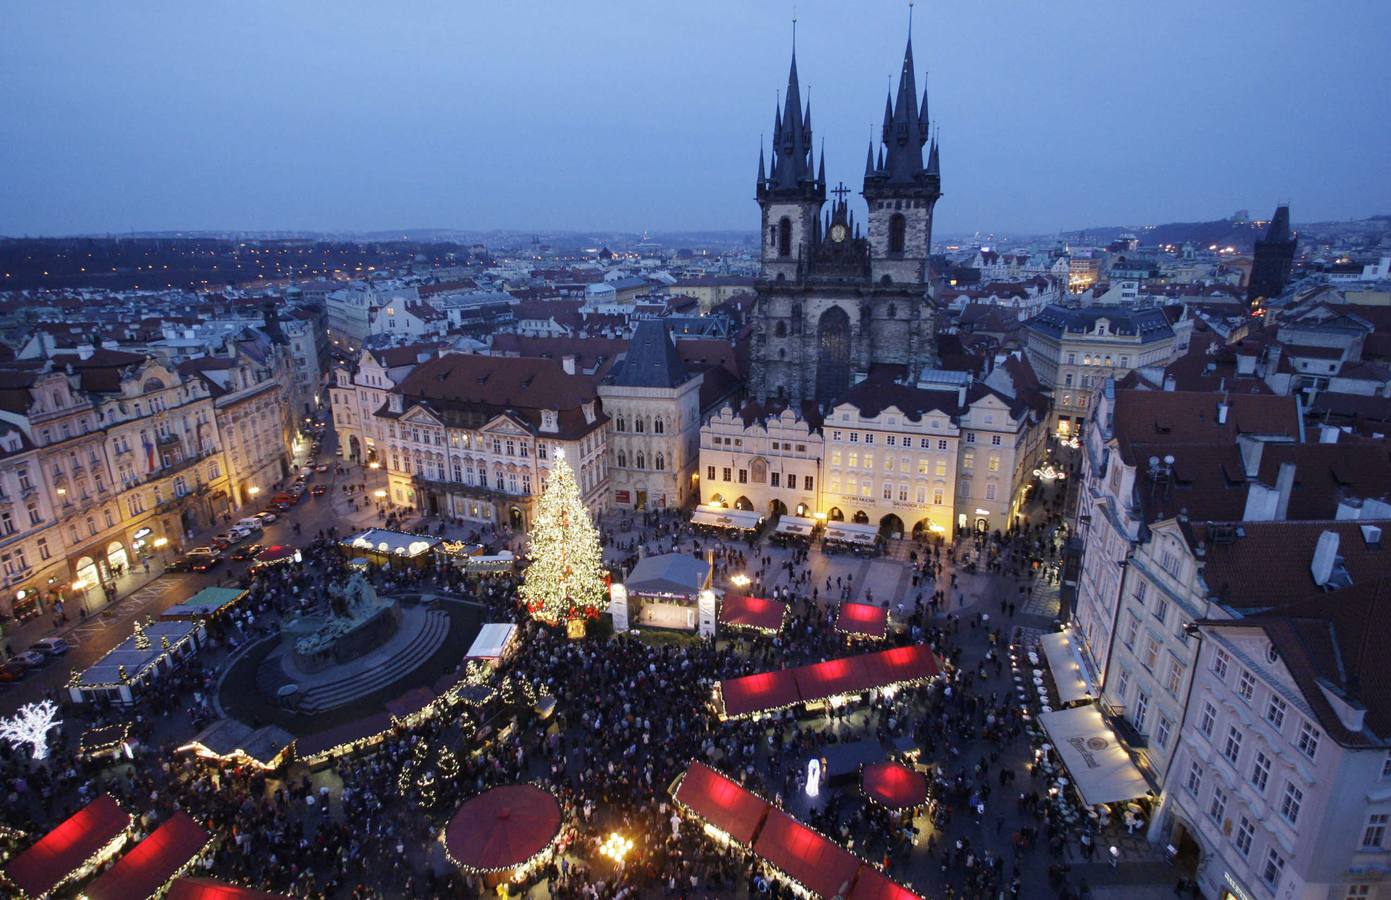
{"x":276,"y":553}
{"x":757,"y":693}
{"x":502,"y":828}
{"x":820,"y":864}
{"x":143,"y":871}
{"x":47,"y":864}
{"x":864,"y":619}
{"x":893,"y":785}
{"x":209,"y":889}
{"x":721,"y":802}
{"x":871,"y":884}
{"x":753,"y":612}
{"x":768,"y":691}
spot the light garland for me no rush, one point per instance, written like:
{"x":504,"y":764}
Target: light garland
{"x":565,"y":577}
{"x":105,"y":739}
{"x":99,"y":857}
{"x":522,"y":870}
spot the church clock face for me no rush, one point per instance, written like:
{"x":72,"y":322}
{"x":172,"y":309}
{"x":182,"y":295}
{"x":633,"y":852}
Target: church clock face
{"x":838,"y":232}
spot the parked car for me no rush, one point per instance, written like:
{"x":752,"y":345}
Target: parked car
{"x":32,"y":659}
{"x":51,"y":646}
{"x":229,"y":537}
{"x":318,"y":490}
{"x":12,"y":671}
{"x":266,"y":517}
{"x":201,"y":559}
{"x":246,"y":551}
{"x":284,"y":500}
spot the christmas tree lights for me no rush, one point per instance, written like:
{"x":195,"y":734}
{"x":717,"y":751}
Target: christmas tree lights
{"x":565,"y":578}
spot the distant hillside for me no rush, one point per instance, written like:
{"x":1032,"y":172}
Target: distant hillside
{"x":1221,"y":233}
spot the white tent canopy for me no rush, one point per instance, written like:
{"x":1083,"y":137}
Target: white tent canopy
{"x":795,"y":525}
{"x":748,"y":520}
{"x":1098,"y":764}
{"x":1065,"y":661}
{"x":492,"y":641}
{"x":851,"y":532}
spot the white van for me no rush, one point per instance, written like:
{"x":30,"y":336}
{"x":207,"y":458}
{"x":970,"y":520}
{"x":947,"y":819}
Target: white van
{"x":249,"y":524}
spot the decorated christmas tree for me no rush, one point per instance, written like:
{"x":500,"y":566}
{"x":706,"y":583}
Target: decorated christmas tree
{"x":564,"y":579}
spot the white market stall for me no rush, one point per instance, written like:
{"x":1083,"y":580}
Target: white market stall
{"x":723,"y":517}
{"x":381,"y":546}
{"x":1064,"y":657}
{"x":495,"y":640}
{"x":136,"y":662}
{"x":851,"y":534}
{"x":1101,"y":769}
{"x":795,"y":526}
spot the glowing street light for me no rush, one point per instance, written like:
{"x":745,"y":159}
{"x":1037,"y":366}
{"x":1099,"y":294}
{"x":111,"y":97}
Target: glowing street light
{"x":616,"y":847}
{"x":253,"y":491}
{"x":740,"y":580}
{"x":379,"y":494}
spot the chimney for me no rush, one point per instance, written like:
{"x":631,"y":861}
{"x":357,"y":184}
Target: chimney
{"x":1325,"y":556}
{"x":1328,"y":434}
{"x":567,"y":362}
{"x":1222,"y":409}
{"x":1169,"y":383}
{"x":1284,"y":484}
{"x":1261,"y":503}
{"x":1251,"y":450}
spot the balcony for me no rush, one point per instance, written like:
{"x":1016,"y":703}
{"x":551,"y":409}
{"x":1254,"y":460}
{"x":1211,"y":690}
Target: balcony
{"x":167,"y":440}
{"x":460,"y":489}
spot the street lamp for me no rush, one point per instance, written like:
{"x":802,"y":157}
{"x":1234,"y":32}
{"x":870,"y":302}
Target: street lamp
{"x":374,"y":465}
{"x":379,"y":494}
{"x":160,"y":544}
{"x":253,"y":491}
{"x":80,"y":585}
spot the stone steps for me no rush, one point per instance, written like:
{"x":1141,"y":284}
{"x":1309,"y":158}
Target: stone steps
{"x":369,"y":680}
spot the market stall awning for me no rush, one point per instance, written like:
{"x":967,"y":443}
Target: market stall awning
{"x":276,"y":554}
{"x":492,"y":641}
{"x":833,"y":678}
{"x":345,"y":735}
{"x":863,"y":619}
{"x":753,"y":612}
{"x":1098,"y":764}
{"x":502,"y":828}
{"x":721,"y":802}
{"x":894,"y":785}
{"x":741,"y":519}
{"x":1065,"y":662}
{"x":821,"y":865}
{"x":231,"y":740}
{"x":106,"y":672}
{"x":143,"y":871}
{"x":759,"y":693}
{"x":796,"y":525}
{"x":47,"y":864}
{"x":208,"y":602}
{"x":914,"y":662}
{"x":210,"y":889}
{"x":851,"y":533}
{"x":871,"y":884}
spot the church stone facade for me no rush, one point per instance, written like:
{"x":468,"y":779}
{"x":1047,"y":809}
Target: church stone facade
{"x":835,"y":304}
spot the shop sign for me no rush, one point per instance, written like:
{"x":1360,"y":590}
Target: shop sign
{"x":142,"y":532}
{"x":622,"y":497}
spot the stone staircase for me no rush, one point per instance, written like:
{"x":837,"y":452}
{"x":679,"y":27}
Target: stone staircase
{"x":372,"y":672}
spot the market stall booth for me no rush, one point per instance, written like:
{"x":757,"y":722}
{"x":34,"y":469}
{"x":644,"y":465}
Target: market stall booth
{"x":663,"y":590}
{"x":495,"y":642}
{"x":723,"y":518}
{"x":383,"y":547}
{"x":863,"y":620}
{"x":893,"y":785}
{"x":509,"y":830}
{"x":725,"y":805}
{"x":233,"y":742}
{"x":151,"y":865}
{"x":757,"y":613}
{"x":211,"y":889}
{"x":851,"y":537}
{"x":1064,"y":654}
{"x":833,"y":680}
{"x":133,"y":665}
{"x":806,"y":856}
{"x":209,"y":603}
{"x":276,"y":555}
{"x":72,"y":850}
{"x":794,"y":529}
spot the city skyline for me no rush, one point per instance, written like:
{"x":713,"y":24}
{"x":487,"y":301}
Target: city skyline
{"x":272,"y":119}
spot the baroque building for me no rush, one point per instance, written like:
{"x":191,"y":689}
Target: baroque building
{"x":834,"y":303}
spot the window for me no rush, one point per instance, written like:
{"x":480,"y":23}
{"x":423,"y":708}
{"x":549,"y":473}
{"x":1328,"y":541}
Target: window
{"x":1244,"y":832}
{"x":658,"y":426}
{"x":1274,"y":868}
{"x":1174,"y":679}
{"x":990,"y":490}
{"x":1220,"y":663}
{"x":869,"y":437}
{"x":1151,"y":652}
{"x":898,"y":229}
{"x":1131,"y":628}
{"x":1246,"y":686}
{"x":622,"y":459}
{"x":941,"y":445}
{"x":1123,"y":684}
{"x":1260,"y":771}
{"x":1308,"y":744}
{"x":968,"y":460}
{"x":1290,"y":802}
{"x":775,"y":479}
{"x":888,"y":491}
{"x":970,"y":437}
{"x":853,"y":460}
{"x":709,"y":473}
{"x":1218,"y":807}
{"x":1386,"y":765}
{"x":995,"y":440}
{"x":1275,"y":713}
{"x":903,"y":493}
{"x":1207,"y":719}
{"x":1194,"y":782}
{"x":1374,"y":835}
{"x":1358,"y":892}
{"x":1231,"y":749}
{"x":1142,"y":709}
{"x":743,"y":476}
{"x":807,"y":482}
{"x":994,"y":464}
{"x":854,"y":437}
{"x":941,"y":468}
{"x":1161,"y":608}
{"x":727,"y":474}
{"x":937,"y":497}
{"x":1162,"y":730}
{"x":35,"y":517}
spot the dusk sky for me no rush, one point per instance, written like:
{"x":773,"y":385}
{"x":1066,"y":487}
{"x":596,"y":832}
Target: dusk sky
{"x":630,"y":115}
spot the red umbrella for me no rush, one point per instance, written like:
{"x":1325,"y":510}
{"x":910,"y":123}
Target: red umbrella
{"x":893,"y":785}
{"x":502,"y":828}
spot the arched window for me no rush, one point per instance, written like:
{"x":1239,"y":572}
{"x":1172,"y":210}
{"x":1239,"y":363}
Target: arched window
{"x":898,"y":227}
{"x":661,"y":463}
{"x":785,"y":237}
{"x":622,"y":424}
{"x":642,"y":460}
{"x":622,"y":460}
{"x":659,"y":427}
{"x":780,"y":329}
{"x":637,"y":426}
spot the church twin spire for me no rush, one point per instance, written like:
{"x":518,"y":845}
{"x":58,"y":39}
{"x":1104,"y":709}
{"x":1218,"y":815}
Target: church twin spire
{"x":792,"y":172}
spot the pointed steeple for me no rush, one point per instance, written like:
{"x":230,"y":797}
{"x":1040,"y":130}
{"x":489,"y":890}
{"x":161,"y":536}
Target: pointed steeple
{"x":869,"y":160}
{"x":793,"y":161}
{"x":934,"y":164}
{"x":922,"y":113}
{"x":821,"y":170}
{"x":906,"y":133}
{"x":888,"y":118}
{"x":762,"y":174}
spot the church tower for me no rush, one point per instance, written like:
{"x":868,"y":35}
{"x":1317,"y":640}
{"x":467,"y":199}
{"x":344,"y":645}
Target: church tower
{"x":835,"y":307}
{"x":792,"y":194}
{"x":900,"y":190}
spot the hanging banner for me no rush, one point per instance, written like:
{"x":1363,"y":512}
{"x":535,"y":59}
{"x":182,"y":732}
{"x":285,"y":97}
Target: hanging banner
{"x":618,"y":607}
{"x":706,"y":601}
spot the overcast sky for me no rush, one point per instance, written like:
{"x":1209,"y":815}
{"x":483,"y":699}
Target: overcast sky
{"x":630,"y":115}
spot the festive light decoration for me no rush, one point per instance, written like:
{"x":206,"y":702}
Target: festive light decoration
{"x":616,"y":847}
{"x":565,"y":578}
{"x":142,"y":640}
{"x":30,"y":726}
{"x":1048,"y":473}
